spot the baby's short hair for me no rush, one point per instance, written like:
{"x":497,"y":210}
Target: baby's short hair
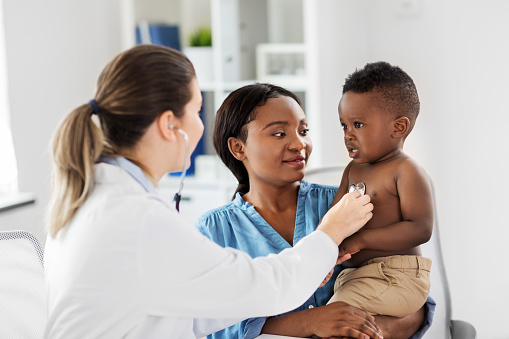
{"x":396,"y":89}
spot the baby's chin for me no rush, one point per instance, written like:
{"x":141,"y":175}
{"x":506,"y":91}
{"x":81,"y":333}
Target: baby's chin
{"x":359,"y":160}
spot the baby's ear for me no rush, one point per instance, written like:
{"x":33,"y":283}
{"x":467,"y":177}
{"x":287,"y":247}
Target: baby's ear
{"x":401,"y":127}
{"x":236,"y":147}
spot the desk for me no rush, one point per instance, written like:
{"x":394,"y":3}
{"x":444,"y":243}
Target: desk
{"x":17,"y":199}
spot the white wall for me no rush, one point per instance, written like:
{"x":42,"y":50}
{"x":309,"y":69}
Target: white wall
{"x":55,"y":51}
{"x":454,"y":50}
{"x":457,"y":53}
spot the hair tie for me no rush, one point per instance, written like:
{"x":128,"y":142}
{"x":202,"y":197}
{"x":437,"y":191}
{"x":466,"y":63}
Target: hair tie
{"x":94,"y":106}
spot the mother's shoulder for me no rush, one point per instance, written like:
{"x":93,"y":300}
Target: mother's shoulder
{"x":310,"y":186}
{"x":221,"y":213}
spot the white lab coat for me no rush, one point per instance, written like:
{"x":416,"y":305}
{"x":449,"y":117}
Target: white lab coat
{"x":128,"y":266}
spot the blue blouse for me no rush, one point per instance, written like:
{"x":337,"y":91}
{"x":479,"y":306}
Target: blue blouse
{"x":240,"y":226}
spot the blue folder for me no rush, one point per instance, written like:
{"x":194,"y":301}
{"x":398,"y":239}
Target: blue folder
{"x":200,"y":148}
{"x":162,"y":34}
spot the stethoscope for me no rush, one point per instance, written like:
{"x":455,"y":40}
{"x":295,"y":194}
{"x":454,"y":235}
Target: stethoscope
{"x":178,"y":195}
{"x":361,"y":187}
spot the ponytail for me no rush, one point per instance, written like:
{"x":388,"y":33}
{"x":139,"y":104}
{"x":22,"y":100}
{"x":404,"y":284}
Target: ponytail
{"x":77,"y":144}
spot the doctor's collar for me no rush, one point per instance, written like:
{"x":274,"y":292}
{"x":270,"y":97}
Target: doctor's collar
{"x":132,"y":169}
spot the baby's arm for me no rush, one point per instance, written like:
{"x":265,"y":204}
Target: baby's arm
{"x":416,"y":204}
{"x":343,"y":186}
{"x":345,"y":248}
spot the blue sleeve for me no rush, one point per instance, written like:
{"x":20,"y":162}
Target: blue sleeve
{"x":206,"y":224}
{"x":428,"y":318}
{"x":253,"y":327}
{"x":201,"y":225}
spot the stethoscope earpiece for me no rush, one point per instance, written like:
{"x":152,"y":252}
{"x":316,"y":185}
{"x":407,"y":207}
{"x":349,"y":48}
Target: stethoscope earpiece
{"x":172,"y":126}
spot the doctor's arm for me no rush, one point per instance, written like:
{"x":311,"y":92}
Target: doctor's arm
{"x":184,"y":274}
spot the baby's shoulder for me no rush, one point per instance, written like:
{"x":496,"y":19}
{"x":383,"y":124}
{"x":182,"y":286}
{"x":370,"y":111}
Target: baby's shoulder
{"x":408,"y":165}
{"x":408,"y":172}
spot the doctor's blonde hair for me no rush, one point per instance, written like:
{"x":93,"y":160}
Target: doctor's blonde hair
{"x":133,"y":90}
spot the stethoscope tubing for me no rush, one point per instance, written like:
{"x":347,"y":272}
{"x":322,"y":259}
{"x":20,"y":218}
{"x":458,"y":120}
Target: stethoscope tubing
{"x":178,"y":195}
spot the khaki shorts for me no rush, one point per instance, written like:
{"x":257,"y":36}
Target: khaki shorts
{"x":395,"y":285}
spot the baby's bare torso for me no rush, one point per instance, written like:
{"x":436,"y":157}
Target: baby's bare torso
{"x":380,"y":180}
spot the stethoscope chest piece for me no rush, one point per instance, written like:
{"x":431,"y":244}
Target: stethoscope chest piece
{"x":361,"y":187}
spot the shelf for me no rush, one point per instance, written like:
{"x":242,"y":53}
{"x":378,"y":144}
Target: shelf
{"x":294,"y":84}
{"x":241,"y":31}
{"x":282,"y":32}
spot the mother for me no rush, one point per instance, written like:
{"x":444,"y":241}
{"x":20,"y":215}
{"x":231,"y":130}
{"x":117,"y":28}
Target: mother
{"x":261,"y":135}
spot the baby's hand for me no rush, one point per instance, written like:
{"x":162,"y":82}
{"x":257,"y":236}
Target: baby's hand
{"x":327,"y":278}
{"x":343,"y":257}
{"x":349,"y":246}
{"x":339,"y":261}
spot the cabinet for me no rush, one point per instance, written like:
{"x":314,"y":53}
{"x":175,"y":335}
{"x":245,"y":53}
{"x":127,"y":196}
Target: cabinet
{"x":252,"y":40}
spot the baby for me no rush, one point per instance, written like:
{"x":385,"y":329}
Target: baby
{"x":386,"y":274}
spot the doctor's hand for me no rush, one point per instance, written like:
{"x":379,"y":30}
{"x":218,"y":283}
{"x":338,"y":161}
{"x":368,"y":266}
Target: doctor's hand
{"x":339,"y":319}
{"x":347,"y":216}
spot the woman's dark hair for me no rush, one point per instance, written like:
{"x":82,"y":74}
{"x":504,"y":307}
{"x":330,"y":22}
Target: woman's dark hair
{"x":133,"y":90}
{"x":237,"y":110}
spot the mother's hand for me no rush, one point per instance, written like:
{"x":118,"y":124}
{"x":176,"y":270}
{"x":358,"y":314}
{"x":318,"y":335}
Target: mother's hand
{"x":334,"y":320}
{"x":339,"y":319}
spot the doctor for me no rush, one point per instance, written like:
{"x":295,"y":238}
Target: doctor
{"x":120,"y":262}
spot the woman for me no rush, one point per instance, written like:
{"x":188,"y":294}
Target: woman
{"x":120,"y":262}
{"x":261,"y":135}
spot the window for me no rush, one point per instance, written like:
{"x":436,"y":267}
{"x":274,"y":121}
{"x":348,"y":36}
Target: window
{"x":8,"y":169}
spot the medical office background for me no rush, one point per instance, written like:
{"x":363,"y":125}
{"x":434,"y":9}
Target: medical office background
{"x":456,"y":51}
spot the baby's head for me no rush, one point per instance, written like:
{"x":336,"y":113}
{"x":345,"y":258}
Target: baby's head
{"x":395,"y":90}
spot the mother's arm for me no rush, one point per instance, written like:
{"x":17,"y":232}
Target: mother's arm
{"x":400,"y":328}
{"x":333,"y":320}
{"x":341,"y":319}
